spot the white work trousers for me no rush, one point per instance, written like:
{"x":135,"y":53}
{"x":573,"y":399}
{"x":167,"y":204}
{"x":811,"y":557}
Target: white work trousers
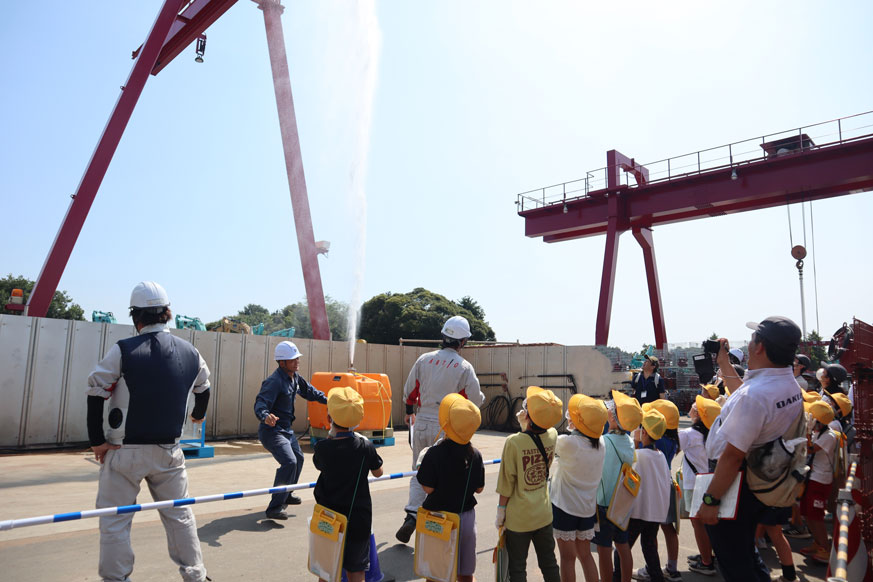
{"x":163,"y":468}
{"x":424,"y":433}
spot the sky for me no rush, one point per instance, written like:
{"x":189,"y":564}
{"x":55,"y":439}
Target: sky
{"x":419,"y":123}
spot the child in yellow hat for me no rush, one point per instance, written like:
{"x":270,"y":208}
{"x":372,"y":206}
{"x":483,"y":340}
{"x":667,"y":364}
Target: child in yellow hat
{"x":692,"y":441}
{"x":625,"y":415}
{"x":669,"y":445}
{"x":524,"y":508}
{"x":821,"y":474}
{"x":573,"y":489}
{"x":452,"y":471}
{"x":344,"y":460}
{"x":652,"y":503}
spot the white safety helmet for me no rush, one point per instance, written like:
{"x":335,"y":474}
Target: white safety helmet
{"x":286,"y":351}
{"x":148,"y":294}
{"x":457,"y":328}
{"x":738,"y":354}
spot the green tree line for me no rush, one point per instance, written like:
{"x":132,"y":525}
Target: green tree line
{"x":385,"y":318}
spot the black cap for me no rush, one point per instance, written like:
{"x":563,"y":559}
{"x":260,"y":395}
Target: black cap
{"x":836,"y":373}
{"x":778,"y":330}
{"x":803,"y":360}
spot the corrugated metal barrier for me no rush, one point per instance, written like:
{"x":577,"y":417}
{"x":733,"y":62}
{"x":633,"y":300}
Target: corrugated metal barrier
{"x":44,"y":366}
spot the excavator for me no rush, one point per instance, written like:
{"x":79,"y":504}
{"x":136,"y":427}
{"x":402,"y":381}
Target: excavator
{"x":231,"y":325}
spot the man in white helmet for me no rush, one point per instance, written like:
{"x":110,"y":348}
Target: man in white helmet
{"x":433,"y":376}
{"x":274,"y":407}
{"x":159,"y":371}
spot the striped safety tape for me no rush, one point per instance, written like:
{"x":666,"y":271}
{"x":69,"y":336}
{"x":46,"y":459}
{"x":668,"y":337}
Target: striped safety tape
{"x":74,"y":515}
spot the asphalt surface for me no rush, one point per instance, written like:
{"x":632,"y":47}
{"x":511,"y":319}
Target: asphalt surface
{"x":238,"y":542}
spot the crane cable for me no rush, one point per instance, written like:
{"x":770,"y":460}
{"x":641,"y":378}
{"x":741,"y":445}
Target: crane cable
{"x":812,"y":238}
{"x":814,"y":276}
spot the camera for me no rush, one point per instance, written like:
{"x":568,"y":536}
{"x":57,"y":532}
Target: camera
{"x":711,"y":346}
{"x":704,"y":367}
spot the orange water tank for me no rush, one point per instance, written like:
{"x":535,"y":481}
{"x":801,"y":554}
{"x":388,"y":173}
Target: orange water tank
{"x":374,"y":388}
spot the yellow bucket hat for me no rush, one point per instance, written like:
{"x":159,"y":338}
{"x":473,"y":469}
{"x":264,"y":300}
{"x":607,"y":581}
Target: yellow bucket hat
{"x":628,"y":411}
{"x":543,"y":407}
{"x":843,"y":402}
{"x":587,"y":415}
{"x":667,"y":408}
{"x":345,"y":406}
{"x":707,"y":409}
{"x":820,"y":411}
{"x":459,"y":418}
{"x":654,"y":423}
{"x":711,"y":390}
{"x":810,"y":397}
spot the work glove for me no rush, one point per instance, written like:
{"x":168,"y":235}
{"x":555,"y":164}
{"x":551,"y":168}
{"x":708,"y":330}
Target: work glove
{"x":501,"y":516}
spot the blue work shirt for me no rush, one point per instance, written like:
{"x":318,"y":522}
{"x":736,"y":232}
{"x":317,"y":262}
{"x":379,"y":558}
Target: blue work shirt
{"x":645,"y":389}
{"x":277,"y":397}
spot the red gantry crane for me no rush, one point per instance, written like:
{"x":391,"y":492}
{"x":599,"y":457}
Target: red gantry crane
{"x":762,"y":172}
{"x":178,"y":24}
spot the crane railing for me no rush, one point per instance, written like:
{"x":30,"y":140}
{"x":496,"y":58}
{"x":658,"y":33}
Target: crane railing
{"x":820,"y":135}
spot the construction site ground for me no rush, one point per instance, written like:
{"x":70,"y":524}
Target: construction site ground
{"x":238,"y":542}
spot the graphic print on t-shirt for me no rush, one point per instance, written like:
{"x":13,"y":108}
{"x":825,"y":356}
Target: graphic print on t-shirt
{"x":533,"y":467}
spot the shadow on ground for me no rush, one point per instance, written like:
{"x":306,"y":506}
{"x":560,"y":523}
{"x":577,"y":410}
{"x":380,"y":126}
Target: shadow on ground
{"x":396,"y":562}
{"x":211,"y":532}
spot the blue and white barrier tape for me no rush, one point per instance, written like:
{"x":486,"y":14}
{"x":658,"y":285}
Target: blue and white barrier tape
{"x":72,"y":516}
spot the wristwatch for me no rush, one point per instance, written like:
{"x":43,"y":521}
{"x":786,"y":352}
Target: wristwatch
{"x":710,"y":500}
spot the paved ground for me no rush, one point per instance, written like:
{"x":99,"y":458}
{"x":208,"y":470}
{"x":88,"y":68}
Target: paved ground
{"x":238,"y":542}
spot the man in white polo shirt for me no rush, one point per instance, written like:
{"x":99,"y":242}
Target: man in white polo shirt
{"x":761,"y":410}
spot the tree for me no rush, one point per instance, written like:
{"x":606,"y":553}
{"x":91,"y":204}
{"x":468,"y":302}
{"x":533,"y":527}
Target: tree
{"x":61,"y":307}
{"x":295,"y":315}
{"x":816,"y":352}
{"x":714,"y":336}
{"x":472,"y":306}
{"x":419,"y":314}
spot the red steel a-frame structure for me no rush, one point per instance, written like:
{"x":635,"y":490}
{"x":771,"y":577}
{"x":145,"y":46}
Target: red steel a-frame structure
{"x":759,"y":173}
{"x":178,"y":24}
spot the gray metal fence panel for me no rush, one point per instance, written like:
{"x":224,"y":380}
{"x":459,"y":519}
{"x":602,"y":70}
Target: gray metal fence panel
{"x":228,"y":402}
{"x":43,"y":409}
{"x":84,"y":349}
{"x":206,"y":343}
{"x":15,"y":337}
{"x":253,"y":376}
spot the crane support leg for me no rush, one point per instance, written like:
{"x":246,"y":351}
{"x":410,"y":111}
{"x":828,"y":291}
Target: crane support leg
{"x":607,"y":279}
{"x":62,"y":247}
{"x":272,"y":10}
{"x":644,"y":237}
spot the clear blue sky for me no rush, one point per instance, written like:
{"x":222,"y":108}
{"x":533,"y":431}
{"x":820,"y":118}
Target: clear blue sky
{"x":472,"y":102}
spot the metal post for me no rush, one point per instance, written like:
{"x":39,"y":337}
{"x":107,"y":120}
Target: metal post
{"x":802,"y":300}
{"x":272,"y":10}
{"x":62,"y":247}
